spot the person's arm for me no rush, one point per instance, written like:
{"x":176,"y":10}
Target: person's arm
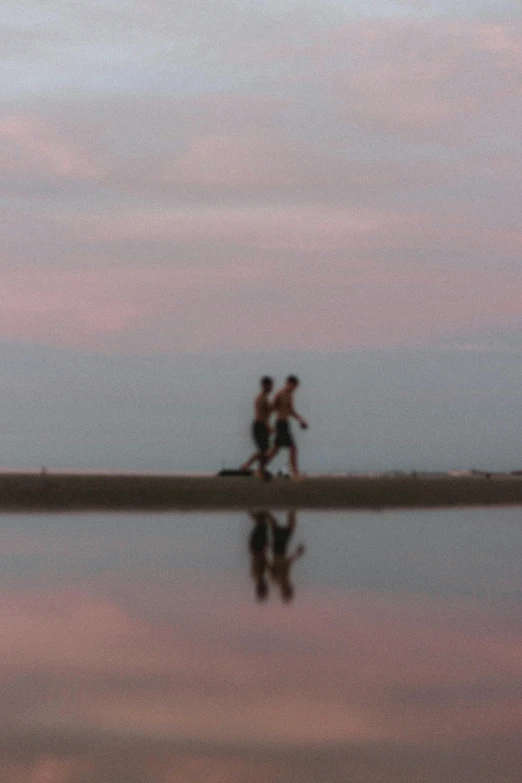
{"x":303,"y":423}
{"x":299,"y":552}
{"x":270,"y":407}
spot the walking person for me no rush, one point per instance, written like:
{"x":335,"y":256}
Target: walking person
{"x":283,"y":405}
{"x":261,"y":428}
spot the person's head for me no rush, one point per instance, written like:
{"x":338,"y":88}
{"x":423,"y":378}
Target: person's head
{"x":293,"y":381}
{"x":267,"y":383}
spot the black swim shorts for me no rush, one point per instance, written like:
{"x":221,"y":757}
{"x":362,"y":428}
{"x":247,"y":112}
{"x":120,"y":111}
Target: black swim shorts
{"x":260,"y":435}
{"x":280,"y":538}
{"x":258,"y":538}
{"x":284,"y":437}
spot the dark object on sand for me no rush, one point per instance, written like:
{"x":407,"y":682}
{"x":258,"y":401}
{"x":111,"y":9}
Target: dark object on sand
{"x":245,"y":473}
{"x":235,"y":472}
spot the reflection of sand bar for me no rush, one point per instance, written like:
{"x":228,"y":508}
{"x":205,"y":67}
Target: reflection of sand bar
{"x":149,"y":492}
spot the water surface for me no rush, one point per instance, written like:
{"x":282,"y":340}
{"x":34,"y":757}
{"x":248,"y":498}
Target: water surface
{"x":161,"y":648}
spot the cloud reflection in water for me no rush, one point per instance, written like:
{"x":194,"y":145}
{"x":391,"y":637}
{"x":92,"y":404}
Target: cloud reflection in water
{"x":165,"y":675}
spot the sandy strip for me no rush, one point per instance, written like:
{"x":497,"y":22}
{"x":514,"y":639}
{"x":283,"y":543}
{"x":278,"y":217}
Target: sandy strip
{"x":120,"y":492}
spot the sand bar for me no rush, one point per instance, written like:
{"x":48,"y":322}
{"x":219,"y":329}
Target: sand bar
{"x":40,"y":492}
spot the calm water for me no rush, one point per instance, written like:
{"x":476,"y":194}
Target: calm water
{"x":166,"y":648}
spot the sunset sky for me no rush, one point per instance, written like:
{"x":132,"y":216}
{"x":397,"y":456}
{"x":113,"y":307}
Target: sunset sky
{"x":206,"y":177}
{"x":223,"y":175}
{"x":198,"y":192}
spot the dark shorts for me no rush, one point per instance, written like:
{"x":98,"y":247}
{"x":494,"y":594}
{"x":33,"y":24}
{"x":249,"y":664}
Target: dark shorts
{"x":283,"y":435}
{"x":258,"y":538}
{"x":260,"y":435}
{"x":280,"y":538}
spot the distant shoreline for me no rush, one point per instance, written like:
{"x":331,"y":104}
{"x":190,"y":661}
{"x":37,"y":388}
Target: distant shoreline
{"x":63,"y":492}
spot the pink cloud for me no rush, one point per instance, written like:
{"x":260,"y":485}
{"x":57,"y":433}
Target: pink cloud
{"x":340,"y":272}
{"x":33,"y":146}
{"x":396,"y":669}
{"x":333,"y":303}
{"x":239,"y":161}
{"x":418,"y":76}
{"x":61,"y":304}
{"x":255,"y":230}
{"x":498,"y":38}
{"x":47,"y":769}
{"x":308,"y":228}
{"x":85,"y":303}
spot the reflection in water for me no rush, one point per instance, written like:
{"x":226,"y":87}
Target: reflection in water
{"x":258,"y":546}
{"x":278,"y":564}
{"x":131,"y":652}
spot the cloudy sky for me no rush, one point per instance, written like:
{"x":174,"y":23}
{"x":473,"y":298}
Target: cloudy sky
{"x":200,"y":177}
{"x":222,"y":175}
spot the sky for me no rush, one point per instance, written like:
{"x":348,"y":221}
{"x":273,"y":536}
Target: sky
{"x":208,"y":178}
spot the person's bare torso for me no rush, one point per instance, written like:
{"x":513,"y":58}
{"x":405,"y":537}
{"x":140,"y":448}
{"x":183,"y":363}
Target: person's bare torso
{"x":284,"y":404}
{"x":262,"y":408}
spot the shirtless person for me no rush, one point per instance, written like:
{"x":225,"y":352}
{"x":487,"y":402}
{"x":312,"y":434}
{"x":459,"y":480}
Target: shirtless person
{"x":261,"y":425}
{"x":283,"y":405}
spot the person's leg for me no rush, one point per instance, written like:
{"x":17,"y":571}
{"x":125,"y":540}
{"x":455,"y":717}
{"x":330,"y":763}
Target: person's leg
{"x":263,"y":456}
{"x":254,"y":458}
{"x":293,"y":460}
{"x":260,"y":438}
{"x":261,"y":472}
{"x":269,"y":456}
{"x":278,"y":442}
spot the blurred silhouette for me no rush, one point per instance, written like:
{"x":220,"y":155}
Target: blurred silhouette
{"x":279,"y":565}
{"x":283,"y":405}
{"x":281,"y":562}
{"x":258,"y":547}
{"x":261,"y":428}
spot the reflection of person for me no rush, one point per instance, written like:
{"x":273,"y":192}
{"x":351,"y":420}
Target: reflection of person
{"x":257,"y":546}
{"x":261,"y":425}
{"x":281,"y":563}
{"x":283,"y":405}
